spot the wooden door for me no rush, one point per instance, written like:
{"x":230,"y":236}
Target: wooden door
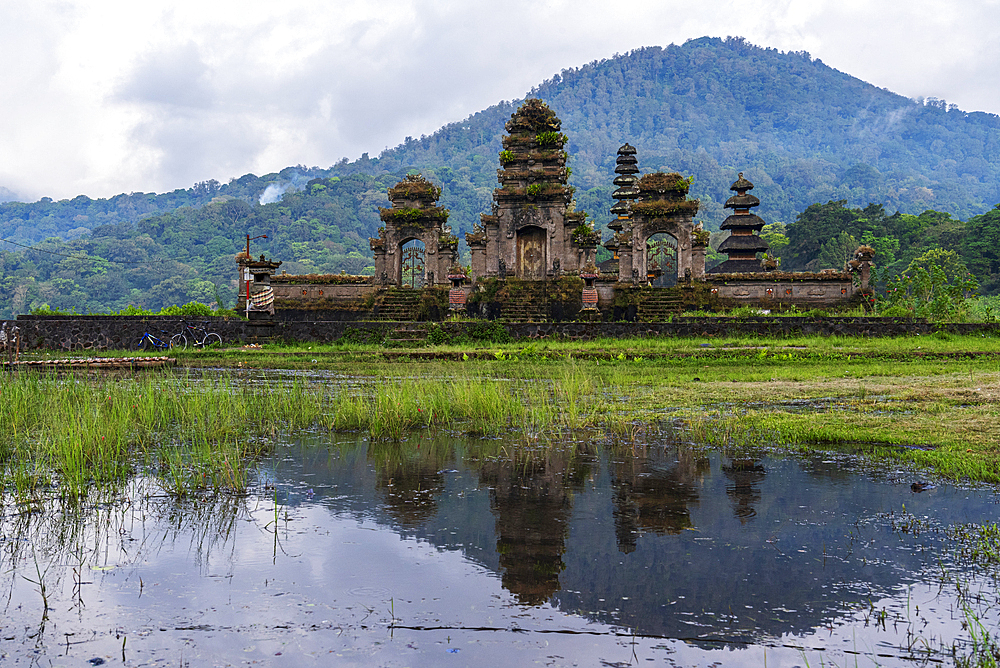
{"x":531,"y":253}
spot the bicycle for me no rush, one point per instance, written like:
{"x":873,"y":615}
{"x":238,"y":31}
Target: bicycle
{"x":150,"y":342}
{"x":200,"y":335}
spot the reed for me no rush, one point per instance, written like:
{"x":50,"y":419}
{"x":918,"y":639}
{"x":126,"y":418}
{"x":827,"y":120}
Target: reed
{"x":73,"y":432}
{"x":79,"y":432}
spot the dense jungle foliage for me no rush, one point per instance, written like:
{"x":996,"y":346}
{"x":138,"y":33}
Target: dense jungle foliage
{"x":820,"y":146}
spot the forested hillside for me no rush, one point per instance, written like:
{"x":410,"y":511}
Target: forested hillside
{"x":816,"y":142}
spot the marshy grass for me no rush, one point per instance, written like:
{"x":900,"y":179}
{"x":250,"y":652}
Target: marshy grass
{"x":72,"y":433}
{"x":68,"y":433}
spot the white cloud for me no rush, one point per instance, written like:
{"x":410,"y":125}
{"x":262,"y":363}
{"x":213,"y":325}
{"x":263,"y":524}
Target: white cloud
{"x":105,"y":97}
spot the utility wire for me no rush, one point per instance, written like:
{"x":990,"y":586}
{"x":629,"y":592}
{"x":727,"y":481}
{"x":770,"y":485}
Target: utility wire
{"x":79,"y":257}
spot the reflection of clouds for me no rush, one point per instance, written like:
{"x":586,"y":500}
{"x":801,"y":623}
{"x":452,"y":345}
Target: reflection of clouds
{"x":210,"y":567}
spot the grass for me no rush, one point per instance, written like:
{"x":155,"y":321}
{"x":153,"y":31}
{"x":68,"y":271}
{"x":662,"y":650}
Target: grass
{"x":70,"y":433}
{"x":732,"y":348}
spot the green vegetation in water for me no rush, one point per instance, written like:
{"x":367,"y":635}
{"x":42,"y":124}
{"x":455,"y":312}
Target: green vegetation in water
{"x":799,"y":392}
{"x":73,"y":433}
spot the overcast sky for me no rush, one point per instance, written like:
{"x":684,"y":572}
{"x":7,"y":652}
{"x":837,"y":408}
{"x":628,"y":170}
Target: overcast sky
{"x":101,"y":97}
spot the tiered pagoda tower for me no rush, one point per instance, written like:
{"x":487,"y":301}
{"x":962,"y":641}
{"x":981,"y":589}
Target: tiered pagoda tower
{"x":532,"y":232}
{"x":626,"y":167}
{"x":744,"y":242}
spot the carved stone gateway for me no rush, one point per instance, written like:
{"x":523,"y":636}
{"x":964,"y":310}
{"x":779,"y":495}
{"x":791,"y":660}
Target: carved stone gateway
{"x":661,"y":207}
{"x":532,"y":232}
{"x":414,"y":216}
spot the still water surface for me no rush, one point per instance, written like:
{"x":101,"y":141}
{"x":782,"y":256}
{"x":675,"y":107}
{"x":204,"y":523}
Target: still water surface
{"x":446,"y":551}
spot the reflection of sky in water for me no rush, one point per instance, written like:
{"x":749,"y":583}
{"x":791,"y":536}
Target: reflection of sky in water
{"x":558,"y":559}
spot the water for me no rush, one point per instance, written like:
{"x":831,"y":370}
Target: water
{"x":452,"y":553}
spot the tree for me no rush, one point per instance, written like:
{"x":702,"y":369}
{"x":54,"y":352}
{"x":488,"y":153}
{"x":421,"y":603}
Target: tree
{"x":817,"y":223}
{"x":935,"y":284}
{"x":776,"y":237}
{"x":981,"y":249}
{"x":885,"y":255}
{"x":836,"y":252}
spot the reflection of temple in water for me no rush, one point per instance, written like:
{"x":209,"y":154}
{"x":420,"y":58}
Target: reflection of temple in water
{"x":532,"y":503}
{"x":653,"y":494}
{"x":745,"y":476}
{"x":410,"y":482}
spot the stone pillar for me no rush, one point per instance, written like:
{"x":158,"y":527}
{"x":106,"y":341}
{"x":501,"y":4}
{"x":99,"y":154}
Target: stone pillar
{"x":697,"y":262}
{"x":478,"y":253}
{"x":491,"y":231}
{"x":625,"y":260}
{"x":683,"y":254}
{"x":381,"y":271}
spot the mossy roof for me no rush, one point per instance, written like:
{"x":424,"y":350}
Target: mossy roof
{"x":533,"y":116}
{"x":749,"y":221}
{"x":741,"y":184}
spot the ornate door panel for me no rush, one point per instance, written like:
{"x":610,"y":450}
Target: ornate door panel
{"x":531,"y":253}
{"x":413,"y":266}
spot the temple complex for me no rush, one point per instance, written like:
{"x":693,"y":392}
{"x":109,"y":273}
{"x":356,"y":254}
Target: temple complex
{"x":532,"y":257}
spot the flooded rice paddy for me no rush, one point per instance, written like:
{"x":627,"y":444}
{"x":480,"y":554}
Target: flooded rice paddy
{"x":447,"y":551}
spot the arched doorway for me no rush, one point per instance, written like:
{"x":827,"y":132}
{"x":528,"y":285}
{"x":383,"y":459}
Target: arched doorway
{"x":661,"y":260}
{"x":531,"y":260}
{"x":411,"y":265}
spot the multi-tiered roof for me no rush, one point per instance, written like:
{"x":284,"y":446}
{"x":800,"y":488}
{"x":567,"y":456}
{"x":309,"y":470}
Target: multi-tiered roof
{"x":743,"y":243}
{"x":533,"y":160}
{"x":626,"y":168}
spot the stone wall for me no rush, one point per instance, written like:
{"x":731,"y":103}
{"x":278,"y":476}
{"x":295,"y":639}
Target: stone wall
{"x":123,"y":332}
{"x":98,"y":332}
{"x":782,"y":289}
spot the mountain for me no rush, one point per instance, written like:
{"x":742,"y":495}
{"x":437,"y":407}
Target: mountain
{"x":803,"y":132}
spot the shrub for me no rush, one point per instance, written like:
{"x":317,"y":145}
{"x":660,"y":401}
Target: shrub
{"x":936,"y":284}
{"x":897,"y":311}
{"x":487,"y":330}
{"x":194,"y":309}
{"x":44,"y":309}
{"x":437,"y":336}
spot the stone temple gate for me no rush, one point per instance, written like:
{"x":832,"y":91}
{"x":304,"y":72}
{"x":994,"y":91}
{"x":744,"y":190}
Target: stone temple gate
{"x":414,"y":216}
{"x":655,"y":204}
{"x":533,"y":232}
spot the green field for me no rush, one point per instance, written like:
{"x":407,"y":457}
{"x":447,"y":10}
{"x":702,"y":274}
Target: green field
{"x":935,"y":396}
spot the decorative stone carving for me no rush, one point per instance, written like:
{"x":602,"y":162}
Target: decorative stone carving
{"x":532,"y":223}
{"x":414,"y":215}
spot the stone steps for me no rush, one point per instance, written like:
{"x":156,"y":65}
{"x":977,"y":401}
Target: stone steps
{"x":398,"y":304}
{"x":528,"y":304}
{"x":407,"y":336}
{"x":659,"y":304}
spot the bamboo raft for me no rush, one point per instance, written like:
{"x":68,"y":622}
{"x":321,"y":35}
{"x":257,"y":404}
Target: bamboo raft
{"x":94,"y":363}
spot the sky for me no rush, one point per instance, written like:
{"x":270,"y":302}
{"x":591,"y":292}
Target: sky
{"x":101,"y":97}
